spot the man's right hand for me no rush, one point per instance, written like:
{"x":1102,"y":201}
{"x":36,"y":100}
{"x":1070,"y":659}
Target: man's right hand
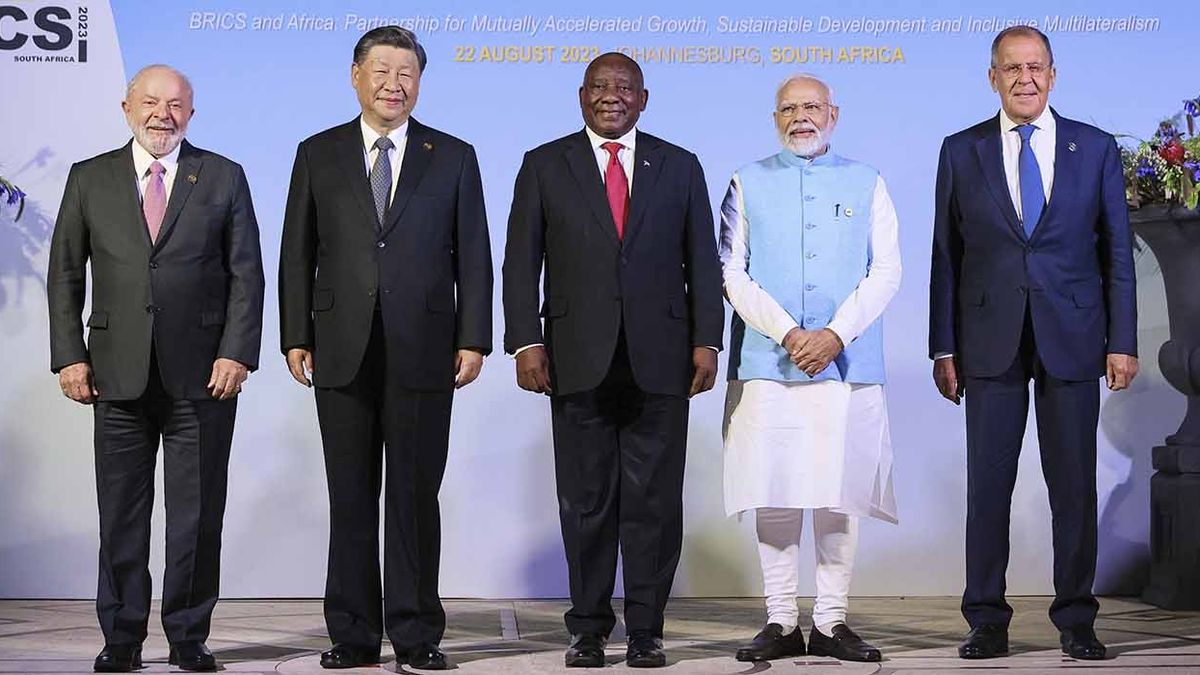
{"x":945,"y":375}
{"x":533,"y":370}
{"x":300,"y":363}
{"x":795,"y":340}
{"x":77,"y":384}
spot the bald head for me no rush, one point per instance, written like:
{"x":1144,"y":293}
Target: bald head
{"x":158,"y":106}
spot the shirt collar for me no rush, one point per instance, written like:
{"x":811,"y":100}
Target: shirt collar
{"x":397,"y":135}
{"x":142,"y":159}
{"x":628,"y":140}
{"x":1045,"y":121}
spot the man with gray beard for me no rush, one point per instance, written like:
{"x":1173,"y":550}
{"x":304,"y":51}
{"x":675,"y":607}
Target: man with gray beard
{"x":174,"y":330}
{"x":810,"y":258}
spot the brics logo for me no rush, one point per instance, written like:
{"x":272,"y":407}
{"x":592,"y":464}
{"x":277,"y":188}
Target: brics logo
{"x":50,"y":34}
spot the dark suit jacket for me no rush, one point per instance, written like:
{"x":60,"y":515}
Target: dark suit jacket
{"x":196,"y":293}
{"x":1075,"y":272}
{"x":337,"y":263}
{"x":662,"y":283}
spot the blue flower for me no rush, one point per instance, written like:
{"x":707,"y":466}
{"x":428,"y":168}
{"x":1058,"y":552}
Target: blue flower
{"x":1144,"y":169}
{"x":1192,"y":107}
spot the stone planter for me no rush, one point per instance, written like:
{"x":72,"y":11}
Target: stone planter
{"x":1174,"y":237}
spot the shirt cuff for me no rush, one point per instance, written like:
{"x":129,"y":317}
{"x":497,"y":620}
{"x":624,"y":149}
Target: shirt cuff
{"x":536,"y":344}
{"x":943,"y":355}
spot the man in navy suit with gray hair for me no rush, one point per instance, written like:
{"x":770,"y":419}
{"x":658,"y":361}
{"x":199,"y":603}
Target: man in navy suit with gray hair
{"x":1032,"y":278}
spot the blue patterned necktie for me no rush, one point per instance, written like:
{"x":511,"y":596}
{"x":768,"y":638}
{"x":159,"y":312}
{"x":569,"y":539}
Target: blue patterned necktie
{"x":1033,"y":197}
{"x":381,"y":176}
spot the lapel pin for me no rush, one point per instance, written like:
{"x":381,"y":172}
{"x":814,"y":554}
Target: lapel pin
{"x":1071,"y":146}
{"x":192,"y":178}
{"x":428,"y":145}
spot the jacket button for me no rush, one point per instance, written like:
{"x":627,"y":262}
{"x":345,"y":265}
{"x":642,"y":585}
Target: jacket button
{"x":371,"y":293}
{"x":381,"y":244}
{"x":810,"y":287}
{"x":810,"y":255}
{"x":810,"y":226}
{"x":153,"y":265}
{"x":809,"y":198}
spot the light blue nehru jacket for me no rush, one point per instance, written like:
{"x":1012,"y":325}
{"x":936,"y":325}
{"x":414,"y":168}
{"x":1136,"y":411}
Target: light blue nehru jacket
{"x":809,"y":230}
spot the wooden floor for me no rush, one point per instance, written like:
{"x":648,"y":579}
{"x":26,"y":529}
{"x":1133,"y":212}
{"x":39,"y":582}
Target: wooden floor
{"x":917,"y":635}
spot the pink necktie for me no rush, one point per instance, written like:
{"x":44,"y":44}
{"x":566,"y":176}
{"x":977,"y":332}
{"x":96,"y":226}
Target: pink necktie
{"x":617,"y":187}
{"x":154,"y":204}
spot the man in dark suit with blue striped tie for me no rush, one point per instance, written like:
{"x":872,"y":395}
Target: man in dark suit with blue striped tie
{"x":1032,"y":279}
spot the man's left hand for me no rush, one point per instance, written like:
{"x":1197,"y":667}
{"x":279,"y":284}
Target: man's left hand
{"x":1122,"y":368}
{"x":227,"y":378}
{"x":467,"y":364}
{"x":822,"y":347}
{"x":704,"y":361}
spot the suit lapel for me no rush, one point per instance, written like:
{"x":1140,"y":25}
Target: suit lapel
{"x":126,"y":190}
{"x":350,"y":156}
{"x":1065,"y":165}
{"x":418,"y":152}
{"x":991,"y":161}
{"x":581,"y":160}
{"x":187,"y":174}
{"x":647,"y":165}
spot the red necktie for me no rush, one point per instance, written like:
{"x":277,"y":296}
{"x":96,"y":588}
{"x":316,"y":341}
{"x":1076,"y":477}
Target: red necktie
{"x":617,"y":187}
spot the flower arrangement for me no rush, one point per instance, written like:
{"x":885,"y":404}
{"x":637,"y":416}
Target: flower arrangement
{"x":13,"y":196}
{"x":1165,"y":169}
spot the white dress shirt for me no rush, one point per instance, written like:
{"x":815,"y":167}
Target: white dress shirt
{"x":398,"y":136}
{"x":624,"y":155}
{"x":856,"y":313}
{"x":1042,"y":141}
{"x":142,"y":159}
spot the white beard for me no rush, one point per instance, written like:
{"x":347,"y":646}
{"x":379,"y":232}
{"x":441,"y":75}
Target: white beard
{"x":806,"y":148}
{"x":154,"y":143}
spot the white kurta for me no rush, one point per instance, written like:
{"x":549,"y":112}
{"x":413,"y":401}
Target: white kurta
{"x":809,"y":444}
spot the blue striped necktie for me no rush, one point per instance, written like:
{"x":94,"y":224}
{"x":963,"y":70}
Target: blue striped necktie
{"x":381,"y":176}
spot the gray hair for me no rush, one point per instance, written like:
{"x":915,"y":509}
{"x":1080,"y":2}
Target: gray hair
{"x":1021,"y":31}
{"x":804,"y":76}
{"x":390,"y":36}
{"x":133,"y":82}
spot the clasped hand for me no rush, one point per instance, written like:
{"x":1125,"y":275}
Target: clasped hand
{"x":812,"y":350}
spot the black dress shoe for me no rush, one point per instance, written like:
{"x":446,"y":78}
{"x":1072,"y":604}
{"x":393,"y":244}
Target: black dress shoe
{"x":1080,"y":642}
{"x":586,"y":651}
{"x":845,"y":645}
{"x":193,"y":656}
{"x":771,"y":643}
{"x":118,"y":659}
{"x":644,"y":651}
{"x":349,"y":656}
{"x":424,"y":657}
{"x":985,"y":642}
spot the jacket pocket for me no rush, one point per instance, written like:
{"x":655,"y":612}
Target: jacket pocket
{"x":556,"y":306}
{"x":439,"y":303}
{"x":677,"y":307}
{"x":98,"y":320}
{"x":322,"y":299}
{"x":212,"y":318}
{"x":1086,"y":294}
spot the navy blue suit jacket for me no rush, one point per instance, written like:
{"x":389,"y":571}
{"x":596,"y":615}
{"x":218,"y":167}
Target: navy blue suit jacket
{"x":1075,"y":273}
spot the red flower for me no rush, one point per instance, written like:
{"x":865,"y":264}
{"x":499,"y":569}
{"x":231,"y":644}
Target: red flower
{"x":1172,"y":153}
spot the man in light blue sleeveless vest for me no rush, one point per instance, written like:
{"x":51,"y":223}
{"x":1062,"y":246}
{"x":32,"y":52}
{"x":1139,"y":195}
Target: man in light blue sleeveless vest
{"x":811,"y":258}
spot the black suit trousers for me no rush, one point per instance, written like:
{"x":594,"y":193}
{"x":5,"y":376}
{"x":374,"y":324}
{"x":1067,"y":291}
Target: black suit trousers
{"x":196,"y":437}
{"x":366,"y":425}
{"x":1067,"y":413}
{"x":619,"y":458}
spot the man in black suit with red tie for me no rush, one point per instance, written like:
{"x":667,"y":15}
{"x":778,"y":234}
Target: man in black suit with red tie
{"x":633,"y":323}
{"x":169,"y":232}
{"x":385,"y":299}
